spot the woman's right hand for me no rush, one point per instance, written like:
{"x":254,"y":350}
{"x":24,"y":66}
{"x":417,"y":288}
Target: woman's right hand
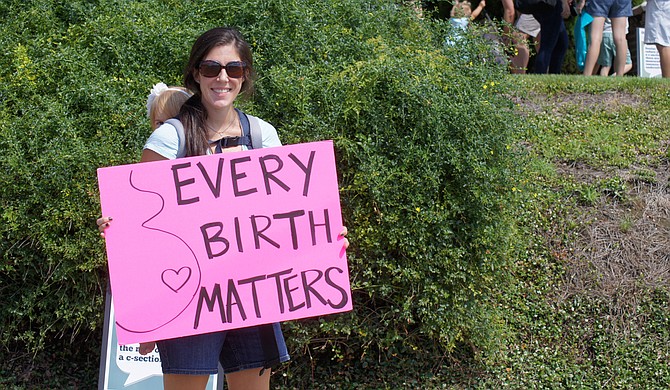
{"x":343,"y":234}
{"x":103,"y":223}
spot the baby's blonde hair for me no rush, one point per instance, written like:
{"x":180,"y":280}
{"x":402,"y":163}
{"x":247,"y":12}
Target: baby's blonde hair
{"x":462,"y":8}
{"x":165,"y":102}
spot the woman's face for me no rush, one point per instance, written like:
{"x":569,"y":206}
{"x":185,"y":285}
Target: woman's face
{"x":220,"y":92}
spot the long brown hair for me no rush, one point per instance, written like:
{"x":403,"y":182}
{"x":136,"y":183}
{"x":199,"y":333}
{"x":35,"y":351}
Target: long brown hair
{"x":193,"y":114}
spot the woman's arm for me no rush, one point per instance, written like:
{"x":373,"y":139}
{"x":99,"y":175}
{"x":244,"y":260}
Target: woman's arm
{"x":149,"y":155}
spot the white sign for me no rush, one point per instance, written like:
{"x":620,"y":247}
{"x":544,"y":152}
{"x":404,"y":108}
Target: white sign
{"x":648,"y":59}
{"x":122,"y":367}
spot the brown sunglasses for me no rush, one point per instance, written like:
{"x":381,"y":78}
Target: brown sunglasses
{"x":210,"y":68}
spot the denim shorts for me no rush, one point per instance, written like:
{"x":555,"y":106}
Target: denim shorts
{"x":260,"y":347}
{"x":609,"y":8}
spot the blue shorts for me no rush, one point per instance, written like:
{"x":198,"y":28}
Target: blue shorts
{"x":609,"y":8}
{"x":608,"y":51}
{"x":238,"y":349}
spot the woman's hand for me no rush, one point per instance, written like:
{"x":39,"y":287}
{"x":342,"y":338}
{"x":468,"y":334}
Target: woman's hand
{"x":103,"y":223}
{"x":146,"y":348}
{"x":343,"y":234}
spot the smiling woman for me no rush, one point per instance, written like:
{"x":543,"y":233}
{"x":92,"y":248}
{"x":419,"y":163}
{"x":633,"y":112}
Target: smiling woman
{"x":219,"y":69}
{"x":208,"y":117}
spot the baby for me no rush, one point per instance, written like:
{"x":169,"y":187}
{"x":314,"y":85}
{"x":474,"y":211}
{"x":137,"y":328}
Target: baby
{"x":165,"y":102}
{"x":463,"y":10}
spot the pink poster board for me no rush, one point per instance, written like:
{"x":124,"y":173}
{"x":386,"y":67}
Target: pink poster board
{"x":224,"y":241}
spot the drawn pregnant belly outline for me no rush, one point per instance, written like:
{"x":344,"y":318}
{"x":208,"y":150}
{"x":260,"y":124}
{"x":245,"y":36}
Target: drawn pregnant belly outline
{"x":175,"y":265}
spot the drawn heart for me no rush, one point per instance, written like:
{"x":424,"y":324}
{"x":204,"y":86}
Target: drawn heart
{"x":172,"y":278}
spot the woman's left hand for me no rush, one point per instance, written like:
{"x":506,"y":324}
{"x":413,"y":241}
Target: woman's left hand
{"x":146,"y":348}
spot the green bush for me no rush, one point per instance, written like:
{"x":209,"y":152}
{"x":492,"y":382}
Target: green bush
{"x":422,"y":135}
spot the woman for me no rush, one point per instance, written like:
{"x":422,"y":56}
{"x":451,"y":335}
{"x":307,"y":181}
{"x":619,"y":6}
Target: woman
{"x":220,"y":67}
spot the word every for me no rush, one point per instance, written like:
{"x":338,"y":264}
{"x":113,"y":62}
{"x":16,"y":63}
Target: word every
{"x":270,"y":166}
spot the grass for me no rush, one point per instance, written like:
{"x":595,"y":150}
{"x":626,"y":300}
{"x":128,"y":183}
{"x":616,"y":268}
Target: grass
{"x":590,"y":300}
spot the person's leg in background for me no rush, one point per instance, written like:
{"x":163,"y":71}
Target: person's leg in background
{"x":606,"y":56}
{"x":527,"y":27}
{"x":596,"y":37}
{"x":512,"y":38}
{"x":560,"y":49}
{"x":620,"y":43}
{"x":519,"y":62}
{"x":664,"y":53}
{"x":550,"y":29}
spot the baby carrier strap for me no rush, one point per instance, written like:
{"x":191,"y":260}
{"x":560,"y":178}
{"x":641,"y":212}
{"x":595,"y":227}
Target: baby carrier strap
{"x":252,"y":136}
